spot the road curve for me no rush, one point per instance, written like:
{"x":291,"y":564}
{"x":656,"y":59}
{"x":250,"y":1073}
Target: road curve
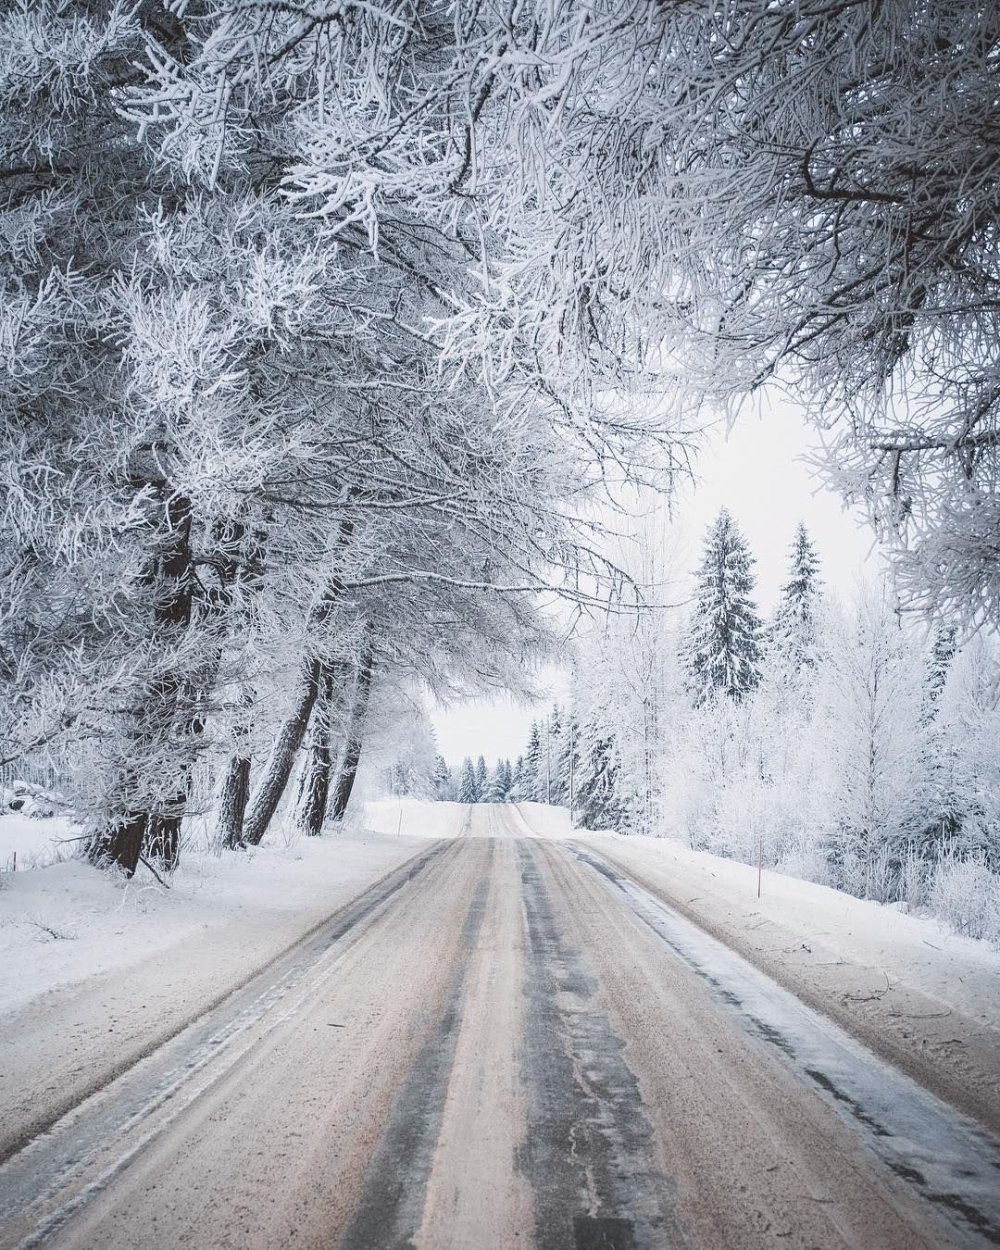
{"x":508,"y":1045}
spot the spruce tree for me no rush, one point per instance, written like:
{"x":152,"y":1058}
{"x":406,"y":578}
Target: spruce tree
{"x":500,"y":782}
{"x":723,"y":652}
{"x":939,"y":803}
{"x":793,"y":634}
{"x":533,"y":773}
{"x":443,"y":788}
{"x":468,"y":791}
{"x":597,"y":800}
{"x":942,"y":654}
{"x":482,"y":781}
{"x":517,"y":781}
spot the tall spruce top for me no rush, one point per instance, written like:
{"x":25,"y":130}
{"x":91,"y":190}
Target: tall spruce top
{"x":723,"y":651}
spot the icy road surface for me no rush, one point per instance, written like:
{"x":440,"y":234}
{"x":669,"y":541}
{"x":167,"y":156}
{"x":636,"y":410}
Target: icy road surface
{"x":507,"y":1042}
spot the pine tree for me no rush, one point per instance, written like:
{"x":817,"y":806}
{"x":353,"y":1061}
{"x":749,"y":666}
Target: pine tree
{"x":558,"y":788}
{"x":443,"y":787}
{"x":941,"y":657}
{"x":597,"y":800}
{"x":940,"y":807}
{"x":482,"y":781}
{"x":500,"y":782}
{"x":569,"y":761}
{"x":793,"y":633}
{"x":517,"y":782}
{"x":723,"y":653}
{"x":533,"y":771}
{"x":468,"y":791}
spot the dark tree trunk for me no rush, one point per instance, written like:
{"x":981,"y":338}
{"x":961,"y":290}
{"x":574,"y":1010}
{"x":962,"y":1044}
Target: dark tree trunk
{"x":356,"y":727}
{"x":236,"y":788}
{"x":235,"y":797}
{"x":170,"y":581}
{"x":163,"y":837}
{"x":316,"y":786}
{"x":316,"y":774}
{"x":121,"y":844}
{"x":293,"y":731}
{"x":279,"y":766}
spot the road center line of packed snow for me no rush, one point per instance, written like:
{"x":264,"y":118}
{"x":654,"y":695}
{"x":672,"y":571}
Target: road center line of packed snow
{"x":945,"y":1156}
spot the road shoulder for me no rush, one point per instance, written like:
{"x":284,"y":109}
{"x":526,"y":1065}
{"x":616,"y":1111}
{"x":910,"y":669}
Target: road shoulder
{"x":926,"y":1001}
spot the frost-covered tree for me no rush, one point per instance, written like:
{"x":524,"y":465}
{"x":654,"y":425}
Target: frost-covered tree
{"x":723,"y":647}
{"x":444,"y":783}
{"x":597,"y":802}
{"x":868,"y":735}
{"x":792,"y":636}
{"x":532,"y":783}
{"x":468,"y":790}
{"x":517,"y":790}
{"x":501,"y":781}
{"x":482,"y":780}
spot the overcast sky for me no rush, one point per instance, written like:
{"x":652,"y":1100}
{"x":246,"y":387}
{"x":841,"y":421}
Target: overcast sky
{"x":758,"y":475}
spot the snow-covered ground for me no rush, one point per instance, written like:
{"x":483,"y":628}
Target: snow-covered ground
{"x":415,"y":817}
{"x":32,"y":842}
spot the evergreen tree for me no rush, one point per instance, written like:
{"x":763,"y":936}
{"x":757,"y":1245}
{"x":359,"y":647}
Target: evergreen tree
{"x":500,"y":782}
{"x":468,"y":790}
{"x":940,"y":816}
{"x":793,"y":634}
{"x":517,"y":792}
{"x":723,"y":653}
{"x":482,"y":781}
{"x":941,"y":657}
{"x":569,"y":761}
{"x":443,"y":786}
{"x":533,"y":771}
{"x":558,"y":775}
{"x":597,"y":802}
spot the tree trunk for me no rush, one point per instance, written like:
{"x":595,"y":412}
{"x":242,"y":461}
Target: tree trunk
{"x":316,"y":776}
{"x":122,"y":843}
{"x":169,"y":581}
{"x":279,"y":766}
{"x":233,"y":804}
{"x":356,"y":727}
{"x":236,"y":787}
{"x":163,"y":835}
{"x":316,"y":786}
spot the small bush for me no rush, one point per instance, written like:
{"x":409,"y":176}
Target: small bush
{"x":966,"y":895}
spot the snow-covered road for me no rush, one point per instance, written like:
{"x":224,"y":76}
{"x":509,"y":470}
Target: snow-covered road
{"x":508,"y":1042}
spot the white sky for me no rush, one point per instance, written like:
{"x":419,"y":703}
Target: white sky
{"x":757,"y":474}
